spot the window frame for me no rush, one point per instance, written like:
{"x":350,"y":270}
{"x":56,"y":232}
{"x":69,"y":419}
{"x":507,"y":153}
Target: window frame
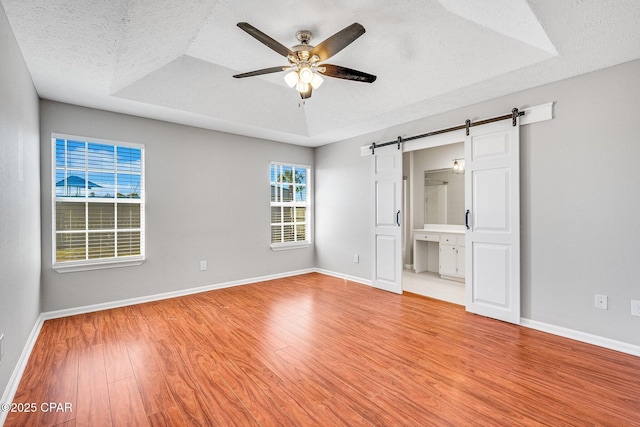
{"x":306,"y":204}
{"x":97,"y":263}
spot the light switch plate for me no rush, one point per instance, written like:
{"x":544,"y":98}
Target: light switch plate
{"x":1,"y":346}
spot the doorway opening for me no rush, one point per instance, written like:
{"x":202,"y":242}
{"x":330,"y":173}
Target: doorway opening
{"x":486,"y":249}
{"x":433,"y":202}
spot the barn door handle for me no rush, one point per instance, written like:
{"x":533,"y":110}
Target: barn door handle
{"x":398,"y":218}
{"x":466,"y":218}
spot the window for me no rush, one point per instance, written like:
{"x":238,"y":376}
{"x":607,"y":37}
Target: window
{"x":289,"y":206}
{"x":98,"y":192}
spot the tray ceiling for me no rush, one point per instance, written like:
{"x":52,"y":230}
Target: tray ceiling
{"x":173,"y":60}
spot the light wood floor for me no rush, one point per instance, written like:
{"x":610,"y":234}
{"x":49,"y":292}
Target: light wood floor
{"x":316,"y":350}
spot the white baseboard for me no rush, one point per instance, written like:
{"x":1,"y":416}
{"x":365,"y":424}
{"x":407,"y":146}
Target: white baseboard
{"x":344,"y":276}
{"x":620,"y":346}
{"x":16,"y":375}
{"x":174,"y":294}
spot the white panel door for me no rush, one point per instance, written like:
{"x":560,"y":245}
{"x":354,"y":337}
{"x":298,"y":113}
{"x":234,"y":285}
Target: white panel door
{"x":387,"y":199}
{"x":492,"y":201}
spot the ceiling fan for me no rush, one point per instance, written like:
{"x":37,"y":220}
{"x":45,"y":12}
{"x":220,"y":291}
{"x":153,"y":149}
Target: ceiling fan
{"x":306,"y":62}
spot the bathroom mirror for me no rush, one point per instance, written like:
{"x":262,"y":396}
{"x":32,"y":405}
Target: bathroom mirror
{"x":443,"y":197}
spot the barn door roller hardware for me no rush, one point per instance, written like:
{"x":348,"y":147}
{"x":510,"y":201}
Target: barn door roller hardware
{"x":515,"y":113}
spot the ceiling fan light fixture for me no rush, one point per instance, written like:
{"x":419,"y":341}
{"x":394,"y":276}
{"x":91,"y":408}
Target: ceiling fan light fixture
{"x":302,"y":87}
{"x":316,"y":81}
{"x":306,"y":75}
{"x":291,"y":78}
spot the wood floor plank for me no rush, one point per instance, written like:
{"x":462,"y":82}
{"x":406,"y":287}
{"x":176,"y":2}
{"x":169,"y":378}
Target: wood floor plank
{"x":152,"y":384}
{"x":318,"y":350}
{"x":184,"y":390}
{"x":93,"y":393}
{"x":91,"y":329}
{"x":334,"y":412}
{"x":117,"y":362}
{"x":22,"y":413}
{"x":169,"y":417}
{"x":62,"y":386}
{"x":254,"y":393}
{"x":40,"y":361}
{"x":126,"y":403}
{"x":220,"y":398}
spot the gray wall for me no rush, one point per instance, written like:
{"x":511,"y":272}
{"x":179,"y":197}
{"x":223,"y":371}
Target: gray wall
{"x":579,"y":200}
{"x":19,"y":202}
{"x":342,"y":209}
{"x":207,"y":199}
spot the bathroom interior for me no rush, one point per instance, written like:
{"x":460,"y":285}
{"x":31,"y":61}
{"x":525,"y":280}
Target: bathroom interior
{"x":433,"y":238}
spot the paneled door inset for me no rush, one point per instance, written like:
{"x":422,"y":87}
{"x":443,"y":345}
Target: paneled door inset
{"x":492,"y":201}
{"x":387,"y":198}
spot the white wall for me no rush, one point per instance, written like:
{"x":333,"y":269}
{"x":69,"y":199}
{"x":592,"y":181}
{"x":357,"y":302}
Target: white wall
{"x":207,"y":199}
{"x":19,"y":203}
{"x":579,"y":200}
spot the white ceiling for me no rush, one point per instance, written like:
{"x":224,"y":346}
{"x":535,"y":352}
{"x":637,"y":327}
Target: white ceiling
{"x":173,"y":60}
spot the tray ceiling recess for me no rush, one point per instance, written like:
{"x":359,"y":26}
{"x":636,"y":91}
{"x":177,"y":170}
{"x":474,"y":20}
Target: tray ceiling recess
{"x":175,"y":61}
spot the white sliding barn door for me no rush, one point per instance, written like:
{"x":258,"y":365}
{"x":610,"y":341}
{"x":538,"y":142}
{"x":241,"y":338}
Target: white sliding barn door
{"x":492,"y":201}
{"x":387,"y":235}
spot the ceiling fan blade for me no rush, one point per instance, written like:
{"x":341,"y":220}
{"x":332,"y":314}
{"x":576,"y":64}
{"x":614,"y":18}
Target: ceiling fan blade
{"x":260,"y":72}
{"x":265,"y":39}
{"x":338,"y":41}
{"x":346,"y":73}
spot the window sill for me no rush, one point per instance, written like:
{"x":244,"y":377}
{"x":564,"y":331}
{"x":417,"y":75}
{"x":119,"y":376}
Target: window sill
{"x":287,"y":246}
{"x":71,"y":267}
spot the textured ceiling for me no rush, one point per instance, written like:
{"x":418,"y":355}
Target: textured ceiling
{"x":174,"y":59}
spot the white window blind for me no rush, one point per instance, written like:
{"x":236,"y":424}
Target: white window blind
{"x":98,"y":191}
{"x":289,"y":205}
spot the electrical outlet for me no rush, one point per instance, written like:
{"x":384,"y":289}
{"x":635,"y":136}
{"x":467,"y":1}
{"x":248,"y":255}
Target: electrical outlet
{"x":635,"y":308}
{"x":356,"y":258}
{"x":601,"y":301}
{"x":203,"y":265}
{"x":1,"y":347}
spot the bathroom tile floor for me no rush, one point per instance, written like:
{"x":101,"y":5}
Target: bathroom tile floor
{"x":431,"y":285}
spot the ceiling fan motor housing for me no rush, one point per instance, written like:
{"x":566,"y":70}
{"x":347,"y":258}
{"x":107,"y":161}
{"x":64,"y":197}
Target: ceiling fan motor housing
{"x":302,"y":50}
{"x":304,"y":36}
